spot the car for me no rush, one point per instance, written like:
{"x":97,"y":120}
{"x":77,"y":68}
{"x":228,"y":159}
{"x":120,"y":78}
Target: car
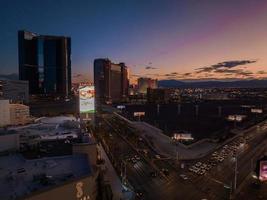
{"x":139,"y":193}
{"x":153,"y":174}
{"x":133,"y":160}
{"x":145,"y":151}
{"x":165,"y":171}
{"x":208,"y":167}
{"x":202,"y":172}
{"x":213,"y":164}
{"x":215,"y":153}
{"x":204,"y":165}
{"x":183,"y":176}
{"x":137,"y":157}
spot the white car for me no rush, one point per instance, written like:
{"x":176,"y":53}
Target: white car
{"x":183,"y":176}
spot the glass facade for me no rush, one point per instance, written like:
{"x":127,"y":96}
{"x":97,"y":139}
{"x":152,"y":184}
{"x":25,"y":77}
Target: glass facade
{"x":45,"y":61}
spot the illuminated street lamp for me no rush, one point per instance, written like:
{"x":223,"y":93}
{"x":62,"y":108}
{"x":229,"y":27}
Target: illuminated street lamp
{"x":235,"y":169}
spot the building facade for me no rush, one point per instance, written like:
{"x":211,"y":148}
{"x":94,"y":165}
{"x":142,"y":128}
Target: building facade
{"x":4,"y":113}
{"x":111,"y":81}
{"x":45,"y":61}
{"x":13,"y":114}
{"x":15,"y":90}
{"x":19,"y":114}
{"x":163,"y":95}
{"x":9,"y":141}
{"x":144,"y":83}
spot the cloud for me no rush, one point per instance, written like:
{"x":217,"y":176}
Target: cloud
{"x":135,"y":75}
{"x":149,"y":67}
{"x":172,"y":74}
{"x":77,"y":75}
{"x":234,"y":71}
{"x":224,"y":65}
{"x":156,"y":75}
{"x":261,"y":72}
{"x":187,"y":74}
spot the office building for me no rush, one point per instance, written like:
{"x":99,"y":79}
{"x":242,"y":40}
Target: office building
{"x":13,"y":114}
{"x":111,"y":81}
{"x":124,"y":80}
{"x":19,"y":114}
{"x":15,"y":90}
{"x":4,"y":113}
{"x":59,"y":171}
{"x":144,"y":83}
{"x":163,"y":95}
{"x":45,"y":61}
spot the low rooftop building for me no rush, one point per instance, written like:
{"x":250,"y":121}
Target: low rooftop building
{"x":47,"y":178}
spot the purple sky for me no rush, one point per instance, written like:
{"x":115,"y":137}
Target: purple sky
{"x":163,"y":39}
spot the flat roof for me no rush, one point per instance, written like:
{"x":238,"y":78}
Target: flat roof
{"x":51,"y":128}
{"x":20,"y":177}
{"x":7,"y":132}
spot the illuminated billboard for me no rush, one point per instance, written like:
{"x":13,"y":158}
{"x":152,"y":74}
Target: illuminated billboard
{"x":87,"y":99}
{"x":263,"y":170}
{"x":237,"y":118}
{"x":139,"y":114}
{"x":182,"y":136}
{"x":256,"y":110}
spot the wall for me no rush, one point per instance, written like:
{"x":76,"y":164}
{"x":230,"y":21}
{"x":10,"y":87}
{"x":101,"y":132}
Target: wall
{"x":9,"y":142}
{"x":82,"y":189}
{"x":4,"y":113}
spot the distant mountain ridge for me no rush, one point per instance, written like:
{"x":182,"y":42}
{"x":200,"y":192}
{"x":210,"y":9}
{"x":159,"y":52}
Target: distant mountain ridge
{"x":213,"y":84}
{"x":13,"y":76}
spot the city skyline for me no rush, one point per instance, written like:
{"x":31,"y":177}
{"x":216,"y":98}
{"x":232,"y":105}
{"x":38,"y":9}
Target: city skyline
{"x":133,"y":99}
{"x":184,"y":40}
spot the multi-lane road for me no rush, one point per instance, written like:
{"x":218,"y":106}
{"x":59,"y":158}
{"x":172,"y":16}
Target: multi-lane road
{"x":123,"y":143}
{"x":220,"y":180}
{"x":170,"y":186}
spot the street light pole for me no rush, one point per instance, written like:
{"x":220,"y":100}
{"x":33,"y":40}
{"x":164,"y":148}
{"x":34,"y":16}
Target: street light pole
{"x":122,"y":170}
{"x":177,"y":158}
{"x":125,"y":175}
{"x":231,"y":190}
{"x":176,"y":149}
{"x":235,"y":177}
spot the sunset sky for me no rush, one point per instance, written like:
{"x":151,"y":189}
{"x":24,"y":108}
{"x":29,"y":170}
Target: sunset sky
{"x":164,"y":39}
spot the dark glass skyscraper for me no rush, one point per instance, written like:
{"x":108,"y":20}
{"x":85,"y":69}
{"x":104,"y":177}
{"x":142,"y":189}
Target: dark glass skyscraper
{"x":45,"y":61}
{"x":111,"y":81}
